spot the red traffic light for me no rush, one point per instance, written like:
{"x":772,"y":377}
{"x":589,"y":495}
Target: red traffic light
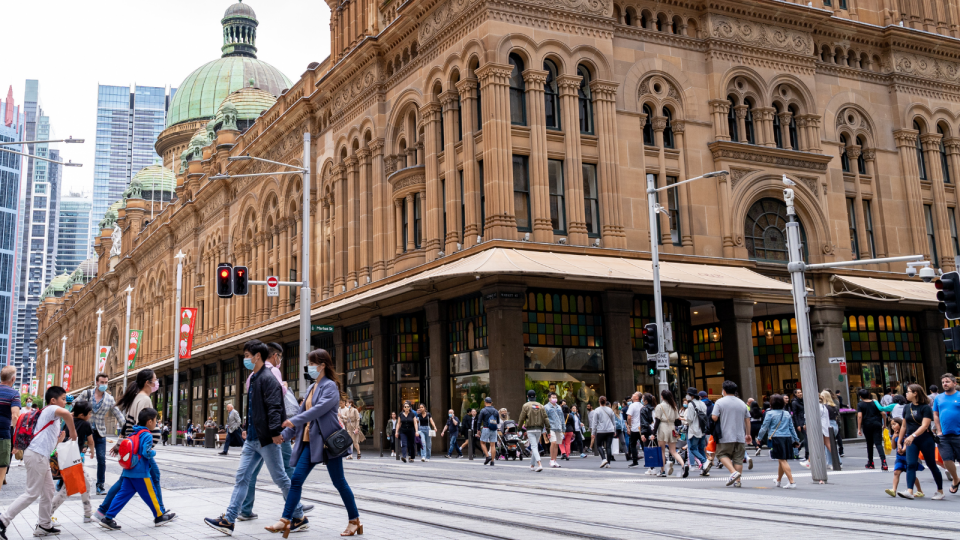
{"x":240,"y":272}
{"x":225,"y":273}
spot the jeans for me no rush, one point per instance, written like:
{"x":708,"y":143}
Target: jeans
{"x":253,"y":455}
{"x":100,"y":445}
{"x":285,"y":450}
{"x":874,"y":437}
{"x":453,"y":445}
{"x":300,"y":474}
{"x":533,"y":437}
{"x":408,"y":442}
{"x":696,"y":448}
{"x":425,"y":439}
{"x":924,"y":443}
{"x":115,"y":488}
{"x":604,"y":441}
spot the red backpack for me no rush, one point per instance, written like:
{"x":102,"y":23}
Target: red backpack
{"x":130,"y":450}
{"x":26,"y":428}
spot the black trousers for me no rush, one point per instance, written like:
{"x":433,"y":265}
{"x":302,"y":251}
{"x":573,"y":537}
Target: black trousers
{"x":874,"y":437}
{"x":603,"y":445}
{"x":633,"y":447}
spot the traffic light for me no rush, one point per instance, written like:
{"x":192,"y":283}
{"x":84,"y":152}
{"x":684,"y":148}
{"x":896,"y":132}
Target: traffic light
{"x":224,"y":280}
{"x":650,"y":342}
{"x":951,"y":338}
{"x":947,"y":294}
{"x":651,"y":366}
{"x":240,"y":280}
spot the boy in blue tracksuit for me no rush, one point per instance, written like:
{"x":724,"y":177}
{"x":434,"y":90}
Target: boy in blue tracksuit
{"x":137,"y":479}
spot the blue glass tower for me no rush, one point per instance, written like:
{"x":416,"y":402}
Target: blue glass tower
{"x":11,"y":130}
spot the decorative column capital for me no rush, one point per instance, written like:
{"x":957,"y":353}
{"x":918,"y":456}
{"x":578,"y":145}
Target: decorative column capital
{"x":450,"y":99}
{"x":363,"y":155}
{"x":494,"y":73}
{"x":906,"y":137}
{"x":535,"y":78}
{"x":853,"y":151}
{"x":468,"y":87}
{"x":399,"y":203}
{"x":720,"y":106}
{"x":952,"y":144}
{"x":785,"y":117}
{"x":569,"y":84}
{"x":376,"y":146}
{"x":351,"y":164}
{"x":678,"y":126}
{"x":931,"y":141}
{"x":869,"y":154}
{"x":659,"y":123}
{"x":741,"y":111}
{"x":430,"y":112}
{"x":765,"y":113}
{"x":604,"y":90}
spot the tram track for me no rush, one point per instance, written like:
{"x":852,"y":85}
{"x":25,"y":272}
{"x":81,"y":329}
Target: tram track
{"x":709,"y":507}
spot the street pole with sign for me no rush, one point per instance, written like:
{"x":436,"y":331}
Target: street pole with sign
{"x":176,"y":347}
{"x":126,"y":340}
{"x":96,"y":358}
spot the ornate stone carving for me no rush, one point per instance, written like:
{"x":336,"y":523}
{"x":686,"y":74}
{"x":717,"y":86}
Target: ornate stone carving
{"x":924,"y":66}
{"x":768,"y":156}
{"x":851,"y":117}
{"x":869,"y":154}
{"x":350,"y":91}
{"x":809,"y":181}
{"x":659,"y":123}
{"x":765,"y":36}
{"x":737,"y":174}
{"x":853,"y":151}
{"x":116,"y":239}
{"x":229,"y":116}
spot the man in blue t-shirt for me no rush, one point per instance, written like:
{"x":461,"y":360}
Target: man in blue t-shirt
{"x":946,"y":423}
{"x":9,"y":411}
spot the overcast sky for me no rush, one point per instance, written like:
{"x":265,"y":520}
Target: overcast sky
{"x":71,"y":47}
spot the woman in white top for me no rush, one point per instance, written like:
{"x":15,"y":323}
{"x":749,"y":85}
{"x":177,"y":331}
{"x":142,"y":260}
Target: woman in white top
{"x":669,"y":418}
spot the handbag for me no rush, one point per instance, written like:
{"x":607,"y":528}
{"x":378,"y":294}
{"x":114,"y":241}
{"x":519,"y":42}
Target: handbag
{"x":432,"y":433}
{"x":338,"y":443}
{"x":652,"y":457}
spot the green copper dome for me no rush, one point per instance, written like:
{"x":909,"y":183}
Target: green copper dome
{"x":198,"y":97}
{"x":57,"y":285}
{"x":156,"y":178}
{"x":249,"y":103}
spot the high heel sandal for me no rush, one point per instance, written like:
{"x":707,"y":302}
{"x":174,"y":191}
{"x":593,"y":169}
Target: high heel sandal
{"x":282,"y":526}
{"x":353,"y":527}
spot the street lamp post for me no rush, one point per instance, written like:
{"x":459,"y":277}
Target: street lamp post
{"x":176,"y":345}
{"x":67,"y":140}
{"x":305,"y":244}
{"x":652,"y":209}
{"x":126,"y":340}
{"x":96,"y":357}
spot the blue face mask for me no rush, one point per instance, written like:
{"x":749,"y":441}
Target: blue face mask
{"x":313,"y":371}
{"x":249,"y":363}
{"x":102,"y":388}
{"x":450,"y":415}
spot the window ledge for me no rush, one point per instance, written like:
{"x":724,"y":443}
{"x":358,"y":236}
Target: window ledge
{"x":751,"y":153}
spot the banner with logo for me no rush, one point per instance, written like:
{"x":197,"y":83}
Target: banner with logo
{"x":49,"y":381}
{"x":67,"y":376}
{"x":33,"y":386}
{"x":133,"y":351}
{"x":24,"y":388}
{"x":102,"y":359}
{"x":188,"y":317}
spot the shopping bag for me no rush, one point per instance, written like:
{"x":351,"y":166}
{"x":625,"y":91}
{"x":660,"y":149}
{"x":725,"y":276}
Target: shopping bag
{"x":652,"y":457}
{"x":68,"y":454}
{"x":887,"y":442}
{"x":711,"y":445}
{"x":939,"y":459}
{"x":615,"y":446}
{"x":71,"y":467}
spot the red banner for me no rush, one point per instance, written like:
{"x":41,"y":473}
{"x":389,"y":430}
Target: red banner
{"x":188,"y":317}
{"x":66,"y":377}
{"x":25,"y":388}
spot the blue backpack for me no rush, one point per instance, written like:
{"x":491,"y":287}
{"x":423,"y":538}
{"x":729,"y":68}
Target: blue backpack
{"x":492,"y":422}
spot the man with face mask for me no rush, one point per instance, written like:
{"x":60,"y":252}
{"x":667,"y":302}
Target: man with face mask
{"x":453,"y":426}
{"x":557,"y":422}
{"x":102,"y":404}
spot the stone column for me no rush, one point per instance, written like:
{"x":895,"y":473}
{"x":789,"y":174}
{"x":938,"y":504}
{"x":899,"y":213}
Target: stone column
{"x":326,"y":259}
{"x":686,"y":211}
{"x":736,"y":316}
{"x":398,"y":214}
{"x":765,"y":137}
{"x":339,"y":230}
{"x":439,"y":368}
{"x":906,"y":146}
{"x":813,"y":133}
{"x":876,"y":206}
{"x":411,"y":241}
{"x":539,"y":171}
{"x":608,"y":171}
{"x":785,"y":119}
{"x":504,"y":306}
{"x":381,"y":374}
{"x":380,"y":188}
{"x":720,"y":108}
{"x":573,"y":165}
{"x":741,"y":112}
{"x":826,"y":326}
{"x":618,"y":347}
{"x":451,"y":194}
{"x":952,"y":145}
{"x":363,"y":155}
{"x":663,"y":218}
{"x":501,"y":221}
{"x":471,"y":188}
{"x":285,"y":256}
{"x":853,"y":153}
{"x":941,"y":223}
{"x":931,"y":346}
{"x":432,"y":211}
{"x":352,"y":220}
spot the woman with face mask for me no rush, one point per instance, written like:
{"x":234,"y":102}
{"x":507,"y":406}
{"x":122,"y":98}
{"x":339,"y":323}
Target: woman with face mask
{"x":308,"y":430}
{"x":135,"y":399}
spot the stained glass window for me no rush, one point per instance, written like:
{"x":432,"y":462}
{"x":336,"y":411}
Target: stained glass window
{"x":562,"y":319}
{"x":359,"y":348}
{"x":881,"y":337}
{"x":775,"y":341}
{"x":405,"y":345}
{"x":467,"y":325}
{"x":707,"y":344}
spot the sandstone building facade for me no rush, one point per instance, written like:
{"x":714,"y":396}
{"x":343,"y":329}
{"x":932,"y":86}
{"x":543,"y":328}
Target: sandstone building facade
{"x":479,"y":217}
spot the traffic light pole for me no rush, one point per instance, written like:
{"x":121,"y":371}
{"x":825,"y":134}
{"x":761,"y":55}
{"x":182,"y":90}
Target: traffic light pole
{"x":652,"y":208}
{"x":175,"y":394}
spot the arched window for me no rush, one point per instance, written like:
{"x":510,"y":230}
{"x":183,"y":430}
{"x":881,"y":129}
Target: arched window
{"x":628,"y":17}
{"x":792,"y":128}
{"x":921,"y":162}
{"x":732,"y":120}
{"x":861,"y":163}
{"x":518,"y":106}
{"x":586,"y":101}
{"x":643,"y":20}
{"x":748,"y":122}
{"x":844,"y":158}
{"x":777,"y":131}
{"x":551,"y":96}
{"x":943,"y":156}
{"x":648,"y":126}
{"x":765,"y":232}
{"x":668,"y":130}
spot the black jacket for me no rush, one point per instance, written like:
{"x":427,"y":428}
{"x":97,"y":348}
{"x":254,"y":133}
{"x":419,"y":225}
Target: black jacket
{"x":646,"y":420}
{"x":796,"y":407}
{"x":267,"y":412}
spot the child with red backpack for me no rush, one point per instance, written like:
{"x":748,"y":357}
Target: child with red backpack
{"x":37,"y":435}
{"x":136,"y":458}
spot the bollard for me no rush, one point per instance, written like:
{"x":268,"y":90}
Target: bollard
{"x":834,"y":452}
{"x":381,"y":444}
{"x":470,"y":444}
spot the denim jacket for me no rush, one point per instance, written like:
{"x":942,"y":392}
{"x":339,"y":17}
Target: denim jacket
{"x":778,"y":423}
{"x":555,"y":414}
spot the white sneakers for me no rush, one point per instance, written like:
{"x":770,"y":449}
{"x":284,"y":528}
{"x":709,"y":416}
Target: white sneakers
{"x":650,"y":472}
{"x":805,"y":463}
{"x":554,"y":465}
{"x":790,"y":486}
{"x":539,"y":468}
{"x":604,"y":463}
{"x":938,"y":496}
{"x":777,"y":483}
{"x":749,"y":463}
{"x":733,"y":478}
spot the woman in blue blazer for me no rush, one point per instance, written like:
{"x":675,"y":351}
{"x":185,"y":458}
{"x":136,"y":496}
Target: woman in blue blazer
{"x":316,"y":421}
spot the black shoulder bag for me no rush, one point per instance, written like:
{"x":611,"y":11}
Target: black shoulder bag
{"x":338,"y":443}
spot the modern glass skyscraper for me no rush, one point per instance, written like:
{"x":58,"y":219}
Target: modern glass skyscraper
{"x":38,"y":230}
{"x":11,"y":130}
{"x":74,"y":232}
{"x":128,"y":124}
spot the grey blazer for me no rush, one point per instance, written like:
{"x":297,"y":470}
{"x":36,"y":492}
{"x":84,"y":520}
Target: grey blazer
{"x":322,"y":420}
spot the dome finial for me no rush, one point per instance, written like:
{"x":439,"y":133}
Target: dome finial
{"x":239,"y":31}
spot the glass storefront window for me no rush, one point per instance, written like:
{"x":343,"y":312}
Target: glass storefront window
{"x":407,"y":347}
{"x":468,"y":354}
{"x":576,"y":388}
{"x":567,"y":319}
{"x":775,"y":355}
{"x":468,"y":392}
{"x":882,"y":351}
{"x":359,"y":365}
{"x":953,"y":359}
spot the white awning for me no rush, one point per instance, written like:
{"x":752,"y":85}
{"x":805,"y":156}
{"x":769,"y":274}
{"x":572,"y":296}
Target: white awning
{"x":888,"y":290}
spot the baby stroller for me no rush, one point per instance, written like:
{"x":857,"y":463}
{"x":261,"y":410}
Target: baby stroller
{"x":510,"y":444}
